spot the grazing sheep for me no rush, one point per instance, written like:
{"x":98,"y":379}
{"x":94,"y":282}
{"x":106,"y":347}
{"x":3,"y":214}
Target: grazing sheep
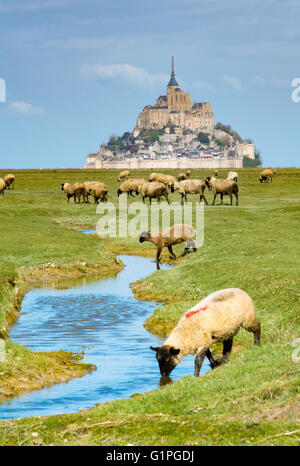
{"x":169,"y":237}
{"x":99,"y":192}
{"x":131,"y":185}
{"x":217,"y":318}
{"x":190,"y":187}
{"x":10,"y":180}
{"x":266,"y":175}
{"x":167,"y":180}
{"x":232,"y":176}
{"x":90,"y":185}
{"x":216,"y":172}
{"x":3,"y":186}
{"x":124,"y":174}
{"x":224,"y":188}
{"x":181,"y":177}
{"x":153,"y":189}
{"x":75,"y":190}
{"x":188,"y":172}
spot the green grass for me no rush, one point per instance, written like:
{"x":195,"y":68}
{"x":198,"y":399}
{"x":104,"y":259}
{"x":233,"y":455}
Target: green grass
{"x":254,"y":398}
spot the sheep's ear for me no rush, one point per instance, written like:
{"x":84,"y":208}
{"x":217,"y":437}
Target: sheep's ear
{"x":174,"y":351}
{"x":154,"y":349}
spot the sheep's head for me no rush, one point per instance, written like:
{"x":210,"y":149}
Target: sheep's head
{"x":208,"y":182}
{"x":119,"y":192}
{"x":174,"y":186}
{"x":62,"y":186}
{"x":167,"y":358}
{"x":144,"y":236}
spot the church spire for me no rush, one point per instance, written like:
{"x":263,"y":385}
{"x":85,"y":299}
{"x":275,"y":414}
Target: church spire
{"x":172,"y":81}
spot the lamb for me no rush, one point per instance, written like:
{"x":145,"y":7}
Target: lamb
{"x":131,"y":185}
{"x":169,"y":237}
{"x":266,"y":175}
{"x":75,"y":190}
{"x":190,"y":187}
{"x":223,"y":187}
{"x":10,"y":180}
{"x":153,"y":189}
{"x":124,"y":174}
{"x":232,"y":176}
{"x":217,"y":318}
{"x":3,"y":186}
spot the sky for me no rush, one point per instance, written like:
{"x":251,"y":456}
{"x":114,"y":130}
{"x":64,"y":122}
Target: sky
{"x":74,"y":72}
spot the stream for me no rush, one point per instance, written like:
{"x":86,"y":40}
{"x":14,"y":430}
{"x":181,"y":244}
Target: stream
{"x":105,"y":320}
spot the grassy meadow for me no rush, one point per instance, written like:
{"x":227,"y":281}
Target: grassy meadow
{"x":252,"y":400}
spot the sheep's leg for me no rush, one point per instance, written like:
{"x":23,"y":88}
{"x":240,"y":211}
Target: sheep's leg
{"x":227,"y":345}
{"x":158,"y":252}
{"x":236,"y":198}
{"x":221,"y":195}
{"x":199,"y":361}
{"x":213,"y":202}
{"x":230,"y":195}
{"x":166,"y":196}
{"x":171,"y":252}
{"x":204,"y":198}
{"x":212,"y":361}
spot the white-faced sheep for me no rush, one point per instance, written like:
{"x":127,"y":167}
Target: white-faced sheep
{"x":266,"y":175}
{"x":217,"y":318}
{"x":169,"y":237}
{"x":224,"y":188}
{"x":75,"y":190}
{"x":3,"y":186}
{"x":232,"y":176}
{"x":124,"y":174}
{"x":10,"y":180}
{"x":131,"y":186}
{"x":153,"y":190}
{"x":190,"y":187}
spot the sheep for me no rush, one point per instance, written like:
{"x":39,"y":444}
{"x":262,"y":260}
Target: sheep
{"x":97,"y":189}
{"x":131,"y":185}
{"x":232,"y":176}
{"x":124,"y":174}
{"x":217,"y":318}
{"x":169,"y":237}
{"x":188,"y":172}
{"x":75,"y":190}
{"x":168,"y":180}
{"x":216,"y":172}
{"x":223,"y":187}
{"x":3,"y":186}
{"x":181,"y":177}
{"x":266,"y":175}
{"x":10,"y":180}
{"x":153,"y":189}
{"x":190,"y":187}
{"x":90,"y":185}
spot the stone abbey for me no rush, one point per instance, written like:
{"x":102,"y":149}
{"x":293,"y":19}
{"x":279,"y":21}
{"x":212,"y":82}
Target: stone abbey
{"x":176,"y":109}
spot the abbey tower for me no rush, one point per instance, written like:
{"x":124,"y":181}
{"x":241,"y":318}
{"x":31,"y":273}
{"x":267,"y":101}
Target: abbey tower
{"x":175,"y":109}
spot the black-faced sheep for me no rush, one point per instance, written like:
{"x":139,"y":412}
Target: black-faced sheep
{"x":181,"y":177}
{"x":153,"y":190}
{"x":266,"y":175}
{"x":131,"y":186}
{"x":75,"y":190}
{"x":169,"y":237}
{"x":224,"y":188}
{"x":97,"y":187}
{"x":217,"y":318}
{"x":167,"y":180}
{"x":190,"y":187}
{"x":124,"y":174}
{"x":9,"y":180}
{"x":99,"y":191}
{"x":232,"y":176}
{"x":3,"y":186}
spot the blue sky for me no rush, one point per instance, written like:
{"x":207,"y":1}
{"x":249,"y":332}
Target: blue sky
{"x":77,"y":71}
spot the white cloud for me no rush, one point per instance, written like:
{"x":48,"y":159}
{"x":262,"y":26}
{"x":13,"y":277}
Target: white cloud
{"x":24,"y":108}
{"x":270,"y":82}
{"x":233,"y":82}
{"x":129,"y":73}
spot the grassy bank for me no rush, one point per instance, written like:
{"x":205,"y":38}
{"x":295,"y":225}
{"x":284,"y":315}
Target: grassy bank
{"x":254,"y":399}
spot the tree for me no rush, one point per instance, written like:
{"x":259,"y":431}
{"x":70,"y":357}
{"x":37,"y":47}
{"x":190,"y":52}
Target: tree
{"x":252,"y":163}
{"x":203,"y":138}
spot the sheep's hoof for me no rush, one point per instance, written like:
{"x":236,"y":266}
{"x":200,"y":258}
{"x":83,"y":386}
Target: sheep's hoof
{"x":215,"y":363}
